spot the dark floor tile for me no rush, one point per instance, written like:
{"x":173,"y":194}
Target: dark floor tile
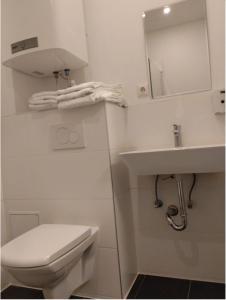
{"x":76,"y":297}
{"x":15,"y":292}
{"x":135,"y":288}
{"x":154,"y":287}
{"x":207,"y":290}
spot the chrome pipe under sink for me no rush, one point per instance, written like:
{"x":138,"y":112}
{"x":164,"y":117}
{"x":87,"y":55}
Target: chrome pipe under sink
{"x":182,"y":207}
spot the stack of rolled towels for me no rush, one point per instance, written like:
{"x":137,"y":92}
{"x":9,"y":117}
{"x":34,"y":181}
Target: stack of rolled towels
{"x":78,"y":95}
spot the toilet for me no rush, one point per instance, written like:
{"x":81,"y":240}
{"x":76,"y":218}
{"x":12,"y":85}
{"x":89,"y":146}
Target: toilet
{"x":57,"y":258}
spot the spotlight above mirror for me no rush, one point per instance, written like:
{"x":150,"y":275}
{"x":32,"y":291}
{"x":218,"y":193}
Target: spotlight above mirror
{"x":166,"y":10}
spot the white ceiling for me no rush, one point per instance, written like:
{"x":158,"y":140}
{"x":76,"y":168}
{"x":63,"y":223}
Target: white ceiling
{"x":181,"y":12}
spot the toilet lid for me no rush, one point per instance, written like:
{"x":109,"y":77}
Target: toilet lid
{"x":43,"y":244}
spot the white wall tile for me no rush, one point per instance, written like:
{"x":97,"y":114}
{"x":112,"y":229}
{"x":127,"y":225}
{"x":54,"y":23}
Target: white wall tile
{"x":29,"y":133}
{"x":7,"y":99}
{"x":206,"y":216}
{"x":126,"y":240}
{"x":16,"y":90}
{"x":16,"y":180}
{"x":106,"y":282}
{"x":186,"y":254}
{"x":4,"y":232}
{"x":93,"y":120}
{"x":15,"y":135}
{"x":72,"y":175}
{"x":116,"y":118}
{"x":60,"y":175}
{"x":199,"y":258}
{"x":120,"y":174}
{"x":150,"y":125}
{"x":4,"y":239}
{"x":139,"y":181}
{"x":116,"y":123}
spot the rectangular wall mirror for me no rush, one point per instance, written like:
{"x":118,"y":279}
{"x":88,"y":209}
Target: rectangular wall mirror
{"x":177,"y":48}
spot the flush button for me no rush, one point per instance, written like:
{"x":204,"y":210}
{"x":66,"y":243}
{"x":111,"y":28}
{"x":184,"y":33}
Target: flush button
{"x":74,"y":136}
{"x":62,"y":135}
{"x":67,"y":136}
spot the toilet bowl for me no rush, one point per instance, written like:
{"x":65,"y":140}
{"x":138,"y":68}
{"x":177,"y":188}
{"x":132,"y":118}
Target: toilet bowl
{"x":57,"y":258}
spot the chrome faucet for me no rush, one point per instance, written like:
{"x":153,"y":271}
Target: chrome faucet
{"x":177,"y":135}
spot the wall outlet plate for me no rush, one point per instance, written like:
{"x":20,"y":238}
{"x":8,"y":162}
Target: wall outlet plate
{"x":142,"y":90}
{"x":218,"y":101}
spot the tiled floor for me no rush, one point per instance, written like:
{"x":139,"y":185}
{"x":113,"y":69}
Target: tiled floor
{"x":154,"y":287}
{"x":15,"y":292}
{"x":145,"y":287}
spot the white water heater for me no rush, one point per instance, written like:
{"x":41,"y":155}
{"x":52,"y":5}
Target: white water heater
{"x":43,"y":36}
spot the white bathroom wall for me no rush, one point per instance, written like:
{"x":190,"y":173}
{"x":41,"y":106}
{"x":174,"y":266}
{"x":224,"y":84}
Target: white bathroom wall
{"x":16,"y":89}
{"x":160,"y":250}
{"x":67,"y":186}
{"x":116,"y":42}
{"x":197,"y":253}
{"x":117,"y":54}
{"x":4,"y":236}
{"x":48,"y":182}
{"x":4,"y":275}
{"x":116,"y":123}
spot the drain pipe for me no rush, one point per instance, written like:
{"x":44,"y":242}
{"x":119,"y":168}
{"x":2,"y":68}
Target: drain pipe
{"x":172,"y":211}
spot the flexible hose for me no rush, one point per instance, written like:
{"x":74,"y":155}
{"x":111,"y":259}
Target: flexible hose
{"x":191,"y":190}
{"x":156,"y":188}
{"x":158,"y":202}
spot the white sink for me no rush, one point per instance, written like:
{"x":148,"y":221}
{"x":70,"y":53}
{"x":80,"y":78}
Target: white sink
{"x":197,"y":159}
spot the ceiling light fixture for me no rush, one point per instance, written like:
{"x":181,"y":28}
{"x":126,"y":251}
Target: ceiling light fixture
{"x":143,"y":15}
{"x":166,"y":10}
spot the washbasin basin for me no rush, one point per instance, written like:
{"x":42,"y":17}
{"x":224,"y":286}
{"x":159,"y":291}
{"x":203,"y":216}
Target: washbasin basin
{"x":180,"y":160}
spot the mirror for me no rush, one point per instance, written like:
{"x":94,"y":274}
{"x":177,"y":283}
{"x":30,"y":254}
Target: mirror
{"x":177,"y":48}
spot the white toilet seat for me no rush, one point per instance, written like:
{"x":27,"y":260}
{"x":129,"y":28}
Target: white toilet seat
{"x":42,"y":245}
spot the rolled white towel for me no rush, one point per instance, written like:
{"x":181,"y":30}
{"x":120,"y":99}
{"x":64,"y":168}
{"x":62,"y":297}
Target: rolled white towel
{"x":45,"y":93}
{"x":79,"y":87}
{"x":90,"y":100}
{"x":38,"y":101}
{"x":73,"y":103}
{"x":75,"y":95}
{"x":41,"y":107}
{"x":102,"y":94}
{"x":118,"y":101}
{"x":44,"y":97}
{"x":110,"y":87}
